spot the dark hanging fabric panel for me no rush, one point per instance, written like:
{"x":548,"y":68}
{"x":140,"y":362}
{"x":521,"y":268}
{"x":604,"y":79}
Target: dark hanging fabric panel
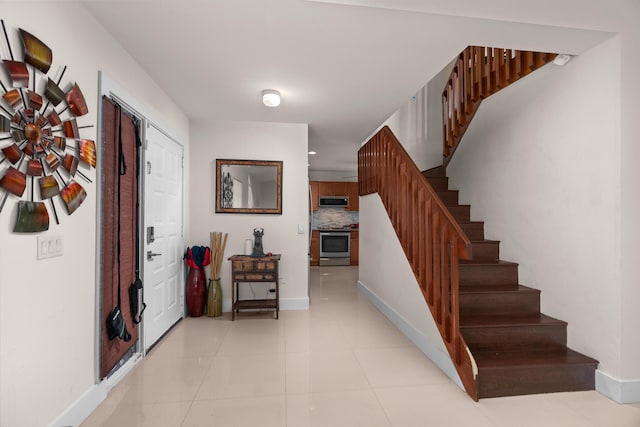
{"x":111,"y":351}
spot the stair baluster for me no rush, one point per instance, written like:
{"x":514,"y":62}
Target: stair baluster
{"x":480,"y":72}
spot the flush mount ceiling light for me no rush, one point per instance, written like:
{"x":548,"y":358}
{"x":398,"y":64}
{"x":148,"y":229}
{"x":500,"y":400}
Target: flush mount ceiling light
{"x":562,"y":59}
{"x":312,"y":152}
{"x":271,"y":97}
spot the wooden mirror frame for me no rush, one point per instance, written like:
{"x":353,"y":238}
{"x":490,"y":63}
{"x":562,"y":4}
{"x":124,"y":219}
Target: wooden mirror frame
{"x":228,"y":162}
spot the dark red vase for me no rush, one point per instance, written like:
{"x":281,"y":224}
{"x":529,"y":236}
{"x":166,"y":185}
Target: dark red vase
{"x":196,"y":291}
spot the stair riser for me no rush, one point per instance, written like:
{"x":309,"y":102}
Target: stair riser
{"x":489,"y":251}
{"x":500,"y":303}
{"x":511,"y":338}
{"x":473,"y":230}
{"x":449,"y":198}
{"x":511,"y":381}
{"x":435,"y":172}
{"x":460,"y":213}
{"x":439,"y":183}
{"x":498,"y":274}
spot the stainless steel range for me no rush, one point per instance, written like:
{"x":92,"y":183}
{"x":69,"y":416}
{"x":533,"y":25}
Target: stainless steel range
{"x":335,"y":246}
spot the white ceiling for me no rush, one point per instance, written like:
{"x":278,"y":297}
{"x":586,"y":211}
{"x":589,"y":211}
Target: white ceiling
{"x":341,"y":68}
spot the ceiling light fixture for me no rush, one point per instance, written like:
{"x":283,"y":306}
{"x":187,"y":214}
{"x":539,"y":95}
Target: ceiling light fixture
{"x":561,"y":59}
{"x":312,"y":152}
{"x":271,"y":97}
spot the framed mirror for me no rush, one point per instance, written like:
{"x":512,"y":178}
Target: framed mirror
{"x":248,"y":186}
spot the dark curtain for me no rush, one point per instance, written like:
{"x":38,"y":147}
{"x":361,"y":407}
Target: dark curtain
{"x":111,"y":351}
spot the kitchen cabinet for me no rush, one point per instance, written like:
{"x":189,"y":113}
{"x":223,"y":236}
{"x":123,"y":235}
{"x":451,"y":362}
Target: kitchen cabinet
{"x":334,"y":188}
{"x":315,"y":247}
{"x":354,"y":196}
{"x":314,"y":195}
{"x":355,"y":239}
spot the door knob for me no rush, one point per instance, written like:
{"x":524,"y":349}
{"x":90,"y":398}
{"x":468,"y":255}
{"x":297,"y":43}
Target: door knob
{"x":151,"y":255}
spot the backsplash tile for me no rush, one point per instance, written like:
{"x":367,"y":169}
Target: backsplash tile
{"x":325,"y":217}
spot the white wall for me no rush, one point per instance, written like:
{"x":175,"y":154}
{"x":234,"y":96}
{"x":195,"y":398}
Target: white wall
{"x":211,"y":140}
{"x":418,"y":123}
{"x":630,"y":193}
{"x":387,"y":279}
{"x":540,"y":165}
{"x":47,"y":308}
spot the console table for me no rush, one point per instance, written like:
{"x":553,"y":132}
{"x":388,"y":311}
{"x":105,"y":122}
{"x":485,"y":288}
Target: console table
{"x":245,"y":268}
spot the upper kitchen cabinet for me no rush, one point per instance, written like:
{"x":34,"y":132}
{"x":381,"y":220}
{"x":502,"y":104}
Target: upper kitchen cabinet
{"x":331,"y":188}
{"x":314,"y":194}
{"x":334,"y":188}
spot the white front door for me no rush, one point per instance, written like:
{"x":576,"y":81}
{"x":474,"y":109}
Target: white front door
{"x":163,"y":274}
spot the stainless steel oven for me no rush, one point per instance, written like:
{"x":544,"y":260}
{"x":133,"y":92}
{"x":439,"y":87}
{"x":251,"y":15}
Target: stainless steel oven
{"x":334,"y":247}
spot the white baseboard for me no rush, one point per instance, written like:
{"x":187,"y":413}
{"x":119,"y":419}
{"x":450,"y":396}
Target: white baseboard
{"x":93,"y":397}
{"x":434,"y":353}
{"x":621,"y":391}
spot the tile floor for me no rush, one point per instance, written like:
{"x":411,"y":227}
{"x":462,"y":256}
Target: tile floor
{"x":342,"y":363}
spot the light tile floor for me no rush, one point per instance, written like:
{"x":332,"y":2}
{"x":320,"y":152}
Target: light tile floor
{"x":342,"y":363}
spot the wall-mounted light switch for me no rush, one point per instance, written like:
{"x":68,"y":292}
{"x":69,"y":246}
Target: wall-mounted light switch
{"x":43,"y":248}
{"x":300,"y":229}
{"x":49,"y":246}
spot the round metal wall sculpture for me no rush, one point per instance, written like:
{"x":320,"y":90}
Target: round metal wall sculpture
{"x":40,"y":137}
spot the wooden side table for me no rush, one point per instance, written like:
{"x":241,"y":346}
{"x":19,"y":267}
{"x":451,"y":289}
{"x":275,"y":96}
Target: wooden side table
{"x":245,"y":268}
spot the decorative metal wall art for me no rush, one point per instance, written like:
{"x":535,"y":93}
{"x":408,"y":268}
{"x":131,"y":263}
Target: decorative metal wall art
{"x":227,"y":191}
{"x":43,"y":135}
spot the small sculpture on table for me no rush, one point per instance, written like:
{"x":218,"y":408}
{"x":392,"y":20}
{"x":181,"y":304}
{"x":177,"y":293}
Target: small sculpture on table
{"x":257,"y":244}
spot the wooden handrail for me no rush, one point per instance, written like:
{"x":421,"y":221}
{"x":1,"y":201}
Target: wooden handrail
{"x":432,"y":240}
{"x":478,"y":73}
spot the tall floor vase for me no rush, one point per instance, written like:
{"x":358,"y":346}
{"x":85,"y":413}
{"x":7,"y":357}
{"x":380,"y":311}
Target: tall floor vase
{"x":196,"y":291}
{"x":214,"y":298}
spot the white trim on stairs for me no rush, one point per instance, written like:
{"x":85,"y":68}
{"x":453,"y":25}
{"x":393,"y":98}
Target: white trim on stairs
{"x":621,"y":391}
{"x":435,"y":354}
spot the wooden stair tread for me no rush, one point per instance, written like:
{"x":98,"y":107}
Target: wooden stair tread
{"x":492,"y":263}
{"x":509,"y":359}
{"x":486,"y":262}
{"x":502,"y":320}
{"x":470,"y":289}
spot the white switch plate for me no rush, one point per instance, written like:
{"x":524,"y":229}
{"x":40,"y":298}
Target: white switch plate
{"x":49,"y":246}
{"x":300,"y":229}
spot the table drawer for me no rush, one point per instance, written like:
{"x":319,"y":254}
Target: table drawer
{"x":253,"y":266}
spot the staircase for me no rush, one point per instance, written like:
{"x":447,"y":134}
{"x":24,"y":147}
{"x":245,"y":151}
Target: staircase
{"x":517,"y":349}
{"x":491,"y":325}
